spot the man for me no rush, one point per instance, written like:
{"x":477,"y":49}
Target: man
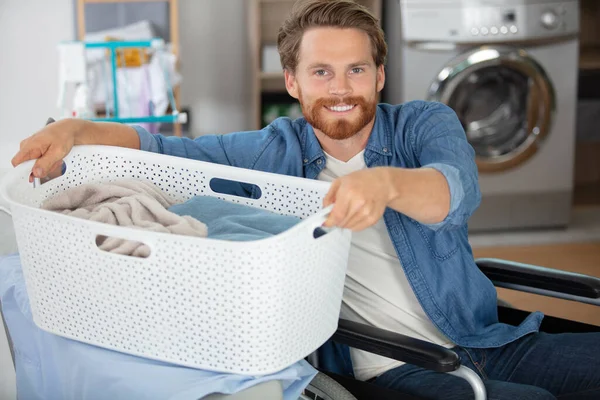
{"x":405,"y":181}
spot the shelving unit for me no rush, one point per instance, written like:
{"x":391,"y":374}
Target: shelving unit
{"x":264,"y":19}
{"x":173,"y":30}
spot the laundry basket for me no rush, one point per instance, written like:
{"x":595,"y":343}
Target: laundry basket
{"x":241,"y":307}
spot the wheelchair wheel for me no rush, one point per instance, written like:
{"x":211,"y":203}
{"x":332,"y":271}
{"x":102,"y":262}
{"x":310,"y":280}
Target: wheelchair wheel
{"x":322,"y":387}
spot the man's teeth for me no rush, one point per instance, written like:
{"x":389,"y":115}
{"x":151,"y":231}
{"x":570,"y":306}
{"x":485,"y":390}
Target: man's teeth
{"x":341,"y":108}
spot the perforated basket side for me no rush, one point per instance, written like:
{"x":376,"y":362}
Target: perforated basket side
{"x":251,"y":309}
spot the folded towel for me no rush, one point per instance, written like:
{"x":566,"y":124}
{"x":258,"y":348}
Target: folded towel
{"x":132,"y":203}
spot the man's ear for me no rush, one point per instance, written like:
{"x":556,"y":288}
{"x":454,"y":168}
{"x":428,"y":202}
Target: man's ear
{"x":380,"y":77}
{"x":290,"y":83}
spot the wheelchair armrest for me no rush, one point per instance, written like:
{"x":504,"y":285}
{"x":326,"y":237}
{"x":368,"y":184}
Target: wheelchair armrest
{"x":541,"y":280}
{"x":396,"y":346}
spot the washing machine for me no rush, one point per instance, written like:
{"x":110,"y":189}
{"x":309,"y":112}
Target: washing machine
{"x":509,"y":69}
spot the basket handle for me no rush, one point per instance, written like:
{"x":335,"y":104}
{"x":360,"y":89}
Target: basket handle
{"x":229,"y":178}
{"x":122,"y":233}
{"x":317,"y":221}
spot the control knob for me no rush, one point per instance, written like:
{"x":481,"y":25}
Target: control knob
{"x":550,"y":20}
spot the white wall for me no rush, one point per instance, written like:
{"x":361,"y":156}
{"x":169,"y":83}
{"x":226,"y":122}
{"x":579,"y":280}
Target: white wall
{"x":28,"y":76}
{"x":29,"y":65}
{"x":214,"y":55}
{"x":28,"y":87}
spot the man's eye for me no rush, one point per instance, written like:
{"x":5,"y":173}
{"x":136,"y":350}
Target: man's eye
{"x":357,"y":70}
{"x":321,"y":72}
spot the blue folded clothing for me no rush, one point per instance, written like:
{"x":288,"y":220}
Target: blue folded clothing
{"x":232,"y":221}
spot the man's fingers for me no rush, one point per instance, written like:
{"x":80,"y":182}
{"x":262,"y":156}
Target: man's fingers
{"x":360,"y":222}
{"x":30,"y":149}
{"x":25,"y":155}
{"x":368,"y":216}
{"x":55,"y":170}
{"x":338,"y":213}
{"x":331,"y":194}
{"x":44,"y":164}
{"x":355,"y":210}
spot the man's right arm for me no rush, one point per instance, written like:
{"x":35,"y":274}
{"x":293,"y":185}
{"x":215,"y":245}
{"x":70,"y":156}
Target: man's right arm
{"x":53,"y":142}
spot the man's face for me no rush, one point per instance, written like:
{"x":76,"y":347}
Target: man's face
{"x":336,"y":80}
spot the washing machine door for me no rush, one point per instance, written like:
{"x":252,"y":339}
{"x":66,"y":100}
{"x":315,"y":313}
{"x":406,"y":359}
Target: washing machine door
{"x":504,"y":100}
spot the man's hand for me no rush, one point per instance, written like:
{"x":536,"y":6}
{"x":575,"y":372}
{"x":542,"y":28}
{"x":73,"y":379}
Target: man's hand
{"x":53,"y":142}
{"x":360,"y":199}
{"x":48,"y":147}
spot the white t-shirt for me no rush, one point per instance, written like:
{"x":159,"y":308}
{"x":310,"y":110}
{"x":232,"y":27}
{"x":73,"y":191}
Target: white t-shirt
{"x":377,"y":292}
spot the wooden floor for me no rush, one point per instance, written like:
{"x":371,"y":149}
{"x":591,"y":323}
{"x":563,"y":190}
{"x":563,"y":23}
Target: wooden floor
{"x":576,"y":257}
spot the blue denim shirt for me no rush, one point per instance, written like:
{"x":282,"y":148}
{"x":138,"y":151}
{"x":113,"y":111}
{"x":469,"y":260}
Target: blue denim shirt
{"x":437,"y":258}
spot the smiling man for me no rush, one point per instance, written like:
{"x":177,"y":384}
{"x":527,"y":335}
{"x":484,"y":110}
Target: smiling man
{"x":404,"y":179}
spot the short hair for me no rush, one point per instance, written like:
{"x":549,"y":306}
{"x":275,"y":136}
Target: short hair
{"x":343,"y":14}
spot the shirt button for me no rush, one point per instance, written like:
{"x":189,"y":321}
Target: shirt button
{"x":385,"y":149}
{"x":305,"y":160}
{"x":319,"y":161}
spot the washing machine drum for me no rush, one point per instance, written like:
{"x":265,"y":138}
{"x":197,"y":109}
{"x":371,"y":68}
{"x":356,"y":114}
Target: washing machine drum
{"x":504,"y":101}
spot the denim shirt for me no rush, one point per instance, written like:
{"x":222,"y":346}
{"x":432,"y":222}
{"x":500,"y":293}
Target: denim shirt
{"x":437,"y":258}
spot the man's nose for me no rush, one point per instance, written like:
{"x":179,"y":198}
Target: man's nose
{"x":340,"y":86}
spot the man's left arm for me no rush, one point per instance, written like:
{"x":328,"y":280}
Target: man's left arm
{"x":442,"y":193}
{"x":422,"y":193}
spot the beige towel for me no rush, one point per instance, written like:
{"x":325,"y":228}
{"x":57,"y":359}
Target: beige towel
{"x":133,"y":203}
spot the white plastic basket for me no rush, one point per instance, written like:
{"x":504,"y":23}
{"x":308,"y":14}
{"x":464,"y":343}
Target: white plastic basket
{"x":241,"y":307}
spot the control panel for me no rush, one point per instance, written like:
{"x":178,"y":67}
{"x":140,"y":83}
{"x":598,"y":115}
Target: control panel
{"x":488,"y":21}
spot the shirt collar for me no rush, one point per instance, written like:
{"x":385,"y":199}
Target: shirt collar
{"x":380,"y":140}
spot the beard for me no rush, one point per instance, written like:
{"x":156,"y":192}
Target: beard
{"x":338,"y":128}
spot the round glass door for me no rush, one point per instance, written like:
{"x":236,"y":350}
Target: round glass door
{"x":504,"y":101}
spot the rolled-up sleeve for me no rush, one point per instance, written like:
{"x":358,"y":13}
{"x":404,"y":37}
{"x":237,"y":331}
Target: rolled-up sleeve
{"x":147,"y":142}
{"x":439,"y":142}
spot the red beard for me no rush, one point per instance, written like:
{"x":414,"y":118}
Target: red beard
{"x":340,"y":128}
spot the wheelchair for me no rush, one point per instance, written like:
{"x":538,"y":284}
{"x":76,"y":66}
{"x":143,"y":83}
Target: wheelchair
{"x":503,"y":273}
